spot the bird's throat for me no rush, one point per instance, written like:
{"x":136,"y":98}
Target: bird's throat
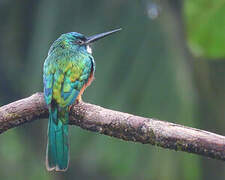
{"x":89,"y":50}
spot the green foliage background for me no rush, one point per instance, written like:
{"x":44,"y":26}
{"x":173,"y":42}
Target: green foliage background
{"x":205,"y":27}
{"x":147,"y":69}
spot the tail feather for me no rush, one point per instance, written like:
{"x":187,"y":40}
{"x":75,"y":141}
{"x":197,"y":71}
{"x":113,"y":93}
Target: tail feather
{"x":57,"y":155}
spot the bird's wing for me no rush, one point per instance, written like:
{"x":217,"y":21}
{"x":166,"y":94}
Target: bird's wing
{"x":48,"y":79}
{"x":69,"y":78}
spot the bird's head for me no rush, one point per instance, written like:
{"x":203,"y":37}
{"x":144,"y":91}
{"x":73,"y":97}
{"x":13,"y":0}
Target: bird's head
{"x":79,"y":41}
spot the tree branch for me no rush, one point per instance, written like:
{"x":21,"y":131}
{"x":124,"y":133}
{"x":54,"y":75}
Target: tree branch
{"x":120,"y":125}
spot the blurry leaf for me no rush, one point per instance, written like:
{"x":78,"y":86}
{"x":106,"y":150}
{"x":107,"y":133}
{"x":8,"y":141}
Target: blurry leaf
{"x":205,"y":22}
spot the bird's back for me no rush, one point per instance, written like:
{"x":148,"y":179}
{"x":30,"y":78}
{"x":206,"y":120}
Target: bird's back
{"x":69,"y":70}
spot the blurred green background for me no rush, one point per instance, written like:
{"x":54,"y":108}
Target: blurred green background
{"x":167,"y":63}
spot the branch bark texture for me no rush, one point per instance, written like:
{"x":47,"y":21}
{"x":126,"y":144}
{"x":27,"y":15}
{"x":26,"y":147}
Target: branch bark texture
{"x":120,"y":125}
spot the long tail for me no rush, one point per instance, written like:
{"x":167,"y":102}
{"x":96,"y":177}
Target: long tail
{"x":57,"y":155}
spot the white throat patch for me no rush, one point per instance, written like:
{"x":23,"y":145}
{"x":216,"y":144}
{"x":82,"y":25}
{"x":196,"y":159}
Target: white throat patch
{"x":89,"y":50}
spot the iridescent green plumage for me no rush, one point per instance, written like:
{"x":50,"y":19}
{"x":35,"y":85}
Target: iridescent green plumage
{"x":68,"y":70}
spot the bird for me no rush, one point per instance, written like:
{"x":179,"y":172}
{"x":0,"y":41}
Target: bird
{"x":67,"y":71}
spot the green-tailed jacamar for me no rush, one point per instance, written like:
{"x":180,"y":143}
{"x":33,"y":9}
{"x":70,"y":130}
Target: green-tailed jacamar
{"x":68,"y":69}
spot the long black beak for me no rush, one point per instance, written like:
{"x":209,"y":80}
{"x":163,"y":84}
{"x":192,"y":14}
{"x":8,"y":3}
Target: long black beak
{"x":96,"y":37}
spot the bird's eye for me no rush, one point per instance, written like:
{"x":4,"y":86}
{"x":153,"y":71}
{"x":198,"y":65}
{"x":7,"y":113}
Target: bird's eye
{"x":79,"y":41}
